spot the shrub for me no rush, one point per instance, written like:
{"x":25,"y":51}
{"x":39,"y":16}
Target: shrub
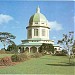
{"x":24,"y":57}
{"x":60,"y":54}
{"x":36,"y":55}
{"x":14,"y":58}
{"x":43,"y":53}
{"x":19,"y":57}
{"x":6,"y":61}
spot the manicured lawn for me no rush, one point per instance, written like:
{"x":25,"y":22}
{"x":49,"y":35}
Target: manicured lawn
{"x":4,"y":55}
{"x":44,"y":65}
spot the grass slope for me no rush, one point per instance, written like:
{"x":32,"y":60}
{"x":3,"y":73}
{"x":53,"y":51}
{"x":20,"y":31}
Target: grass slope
{"x":44,"y":65}
{"x":4,"y":55}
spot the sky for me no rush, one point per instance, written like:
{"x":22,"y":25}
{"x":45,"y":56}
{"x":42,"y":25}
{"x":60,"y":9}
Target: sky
{"x":15,"y":15}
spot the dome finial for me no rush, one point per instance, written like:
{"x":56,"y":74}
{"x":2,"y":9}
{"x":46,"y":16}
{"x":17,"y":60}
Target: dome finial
{"x":38,"y":10}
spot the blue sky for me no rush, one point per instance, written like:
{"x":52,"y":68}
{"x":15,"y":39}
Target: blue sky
{"x":15,"y":15}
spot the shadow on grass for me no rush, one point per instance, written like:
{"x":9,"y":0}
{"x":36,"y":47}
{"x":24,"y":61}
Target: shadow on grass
{"x":62,"y":64}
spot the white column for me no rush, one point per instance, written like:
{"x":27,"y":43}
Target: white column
{"x":37,"y":49}
{"x":18,"y":50}
{"x":29,"y":49}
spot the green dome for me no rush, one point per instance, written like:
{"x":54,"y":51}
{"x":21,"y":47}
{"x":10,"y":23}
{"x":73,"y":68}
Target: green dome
{"x":37,"y":17}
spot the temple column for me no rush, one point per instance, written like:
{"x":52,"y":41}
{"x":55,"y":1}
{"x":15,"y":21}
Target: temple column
{"x":24,"y":48}
{"x":29,"y":49}
{"x":37,"y":49}
{"x":18,"y":50}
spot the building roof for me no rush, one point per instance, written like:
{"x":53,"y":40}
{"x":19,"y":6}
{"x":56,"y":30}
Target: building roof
{"x":31,"y":44}
{"x":37,"y":17}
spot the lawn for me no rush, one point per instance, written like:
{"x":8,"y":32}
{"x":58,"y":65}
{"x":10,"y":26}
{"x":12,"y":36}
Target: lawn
{"x":4,"y":55}
{"x":44,"y":65}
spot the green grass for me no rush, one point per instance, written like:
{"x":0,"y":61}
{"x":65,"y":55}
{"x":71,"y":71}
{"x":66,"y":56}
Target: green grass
{"x":4,"y":55}
{"x":44,"y":65}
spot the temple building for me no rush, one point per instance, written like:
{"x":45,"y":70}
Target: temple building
{"x":37,"y":33}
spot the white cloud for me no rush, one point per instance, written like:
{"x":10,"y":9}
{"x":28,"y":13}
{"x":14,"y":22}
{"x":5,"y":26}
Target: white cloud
{"x":54,"y":25}
{"x":5,"y":18}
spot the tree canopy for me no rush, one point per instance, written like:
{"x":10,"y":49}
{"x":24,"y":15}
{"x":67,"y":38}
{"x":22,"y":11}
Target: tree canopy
{"x":73,"y":48}
{"x":12,"y":48}
{"x":67,"y":42}
{"x":46,"y":47}
{"x":6,"y":38}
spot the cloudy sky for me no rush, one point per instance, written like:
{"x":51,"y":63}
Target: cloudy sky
{"x":15,"y":15}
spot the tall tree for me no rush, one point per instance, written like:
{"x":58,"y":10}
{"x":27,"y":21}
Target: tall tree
{"x":5,"y":38}
{"x":67,"y":42}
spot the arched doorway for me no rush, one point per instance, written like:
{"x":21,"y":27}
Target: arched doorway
{"x":26,"y":49}
{"x":33,"y":49}
{"x":22,"y":50}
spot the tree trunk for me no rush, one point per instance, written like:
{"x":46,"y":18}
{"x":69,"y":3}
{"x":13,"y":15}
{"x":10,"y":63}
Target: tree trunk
{"x":69,"y":59}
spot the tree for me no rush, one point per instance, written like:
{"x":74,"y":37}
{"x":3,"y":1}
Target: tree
{"x":73,"y":48}
{"x":42,"y":48}
{"x":46,"y":48}
{"x":67,"y":42}
{"x":51,"y":48}
{"x":12,"y":48}
{"x":5,"y":38}
{"x":64,"y":52}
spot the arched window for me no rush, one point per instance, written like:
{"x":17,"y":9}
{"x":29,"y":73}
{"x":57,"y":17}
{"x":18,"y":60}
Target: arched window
{"x":42,"y":23}
{"x":35,"y":32}
{"x":36,"y":22}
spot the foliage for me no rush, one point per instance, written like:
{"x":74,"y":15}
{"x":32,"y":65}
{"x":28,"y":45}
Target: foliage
{"x":19,"y":57}
{"x":36,"y":55}
{"x":67,"y":42}
{"x":6,"y":61}
{"x":73,"y":47}
{"x":46,"y":48}
{"x":61,"y":53}
{"x":12,"y":48}
{"x":14,"y":58}
{"x":6,"y":37}
{"x":64,"y":51}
